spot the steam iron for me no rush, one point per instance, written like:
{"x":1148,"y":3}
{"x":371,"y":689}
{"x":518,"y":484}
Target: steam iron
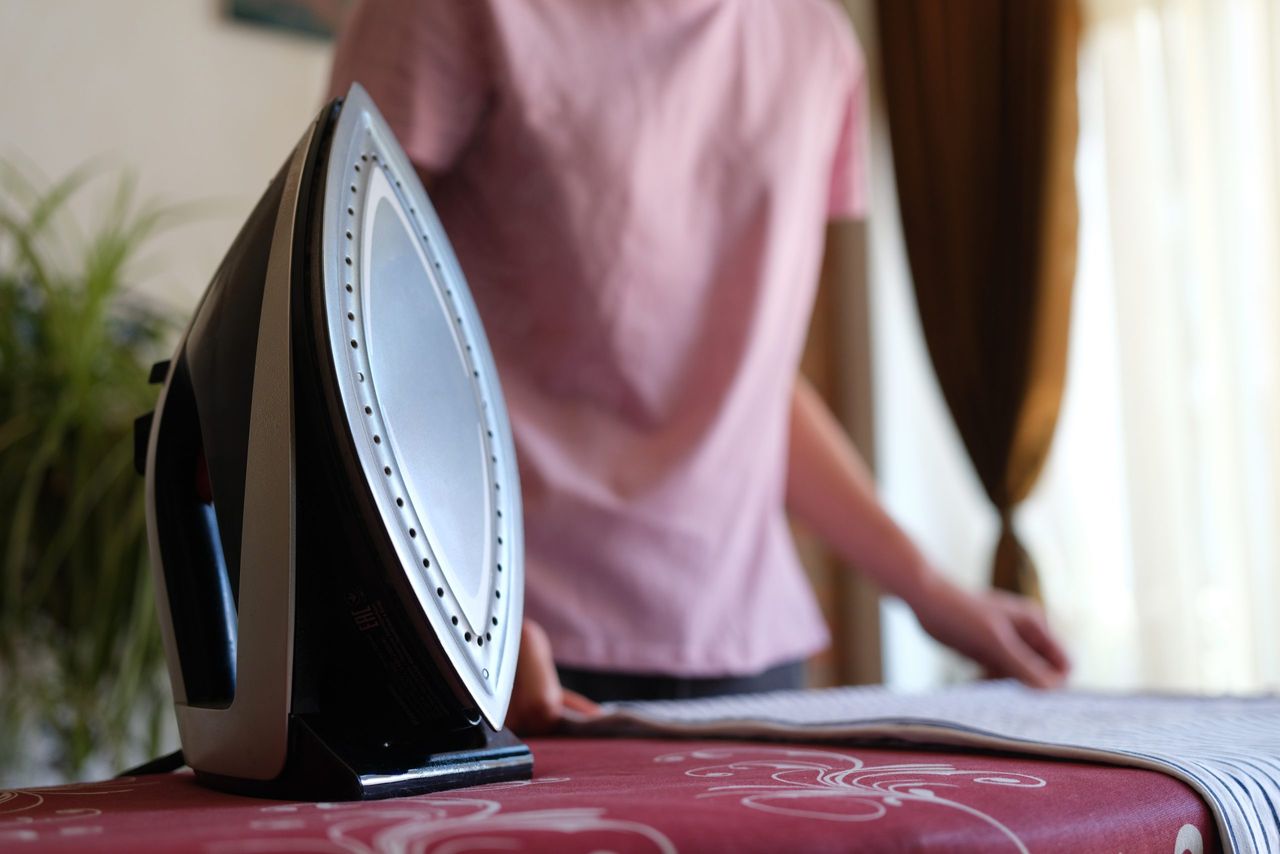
{"x":332,"y":499}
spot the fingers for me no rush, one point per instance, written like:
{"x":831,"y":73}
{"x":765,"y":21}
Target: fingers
{"x":1032,"y":653}
{"x":1005,"y":634}
{"x":575,"y":702}
{"x":1035,"y":632}
{"x":1027,"y":665}
{"x":536,"y":696}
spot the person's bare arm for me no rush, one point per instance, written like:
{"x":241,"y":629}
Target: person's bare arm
{"x":831,"y":491}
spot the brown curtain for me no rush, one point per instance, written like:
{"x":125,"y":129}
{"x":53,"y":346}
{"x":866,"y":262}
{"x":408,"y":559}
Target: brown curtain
{"x":981,"y":96}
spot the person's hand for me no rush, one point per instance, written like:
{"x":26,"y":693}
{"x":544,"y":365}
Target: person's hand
{"x":538,"y":701}
{"x":1004,"y":633}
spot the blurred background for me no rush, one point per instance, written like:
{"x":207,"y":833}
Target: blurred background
{"x":1110,"y":169}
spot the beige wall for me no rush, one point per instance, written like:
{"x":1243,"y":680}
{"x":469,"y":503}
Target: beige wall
{"x":199,"y":107}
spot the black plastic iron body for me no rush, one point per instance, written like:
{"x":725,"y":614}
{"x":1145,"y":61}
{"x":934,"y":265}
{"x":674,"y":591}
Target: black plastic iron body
{"x":376,"y":709}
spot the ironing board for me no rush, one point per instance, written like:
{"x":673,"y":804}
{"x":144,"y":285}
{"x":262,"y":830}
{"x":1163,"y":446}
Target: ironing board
{"x":652,"y":795}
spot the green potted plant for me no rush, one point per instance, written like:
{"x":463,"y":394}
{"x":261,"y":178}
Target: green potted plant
{"x":82,"y":686}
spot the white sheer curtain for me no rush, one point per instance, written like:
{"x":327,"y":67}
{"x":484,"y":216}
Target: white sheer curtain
{"x":1156,"y":523}
{"x":1157,"y":518}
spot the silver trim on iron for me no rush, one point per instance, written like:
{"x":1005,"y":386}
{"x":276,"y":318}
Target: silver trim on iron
{"x":213,"y":739}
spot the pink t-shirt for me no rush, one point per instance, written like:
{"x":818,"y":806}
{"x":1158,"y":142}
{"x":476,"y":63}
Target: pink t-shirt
{"x":637,"y":191}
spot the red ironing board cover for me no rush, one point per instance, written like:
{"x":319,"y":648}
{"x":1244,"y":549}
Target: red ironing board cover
{"x":621,"y":795}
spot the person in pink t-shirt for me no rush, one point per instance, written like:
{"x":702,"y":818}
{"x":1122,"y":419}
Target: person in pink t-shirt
{"x":638,"y":192}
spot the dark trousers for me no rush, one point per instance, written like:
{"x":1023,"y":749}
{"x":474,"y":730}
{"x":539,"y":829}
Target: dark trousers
{"x":607,"y":686}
